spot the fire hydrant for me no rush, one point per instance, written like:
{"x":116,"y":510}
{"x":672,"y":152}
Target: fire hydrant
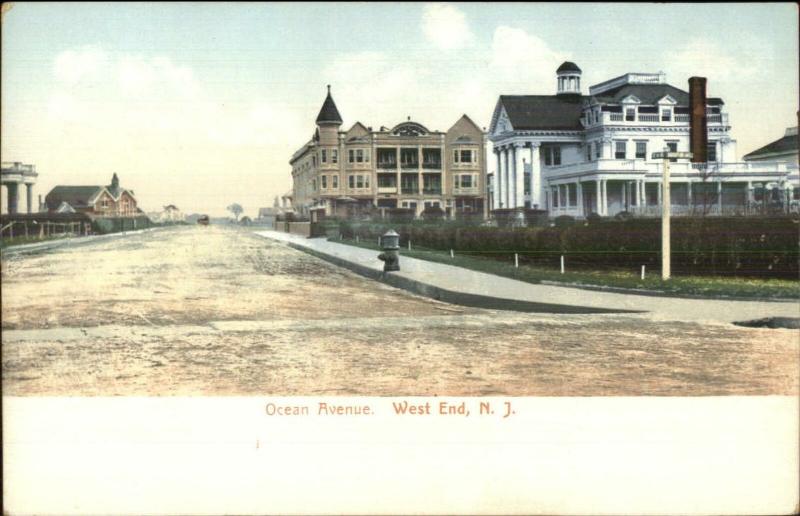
{"x":390,"y":244}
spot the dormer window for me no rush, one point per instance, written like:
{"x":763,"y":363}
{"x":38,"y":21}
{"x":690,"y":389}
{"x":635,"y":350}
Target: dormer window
{"x":630,"y":114}
{"x":666,"y":115}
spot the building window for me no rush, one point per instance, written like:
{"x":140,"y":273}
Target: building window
{"x":335,"y":181}
{"x":351,"y":180}
{"x":324,"y":155}
{"x":359,"y":155}
{"x":366,"y":181}
{"x":641,"y":150}
{"x":465,"y":156}
{"x":588,"y":152}
{"x":711,"y":151}
{"x":666,"y":115}
{"x":334,"y":156}
{"x":630,"y":114}
{"x":466,"y":181}
{"x":619,"y":150}
{"x":409,"y":158}
{"x":598,"y":149}
{"x":324,"y":182}
{"x":359,"y":181}
{"x":351,"y":156}
{"x":552,"y":155}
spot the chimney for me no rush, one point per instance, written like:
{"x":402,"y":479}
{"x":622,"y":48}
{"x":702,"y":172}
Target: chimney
{"x":698,"y":124}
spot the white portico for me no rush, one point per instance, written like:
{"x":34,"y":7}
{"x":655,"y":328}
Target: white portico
{"x":573,"y":154}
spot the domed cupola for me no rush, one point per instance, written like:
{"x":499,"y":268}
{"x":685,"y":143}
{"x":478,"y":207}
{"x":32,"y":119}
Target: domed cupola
{"x":569,"y":79}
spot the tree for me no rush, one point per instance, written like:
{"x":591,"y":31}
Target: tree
{"x":236,"y":209}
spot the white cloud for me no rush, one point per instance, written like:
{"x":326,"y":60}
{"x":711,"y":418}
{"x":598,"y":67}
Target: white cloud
{"x":446,"y":26}
{"x":523,"y":62}
{"x":73,"y":66}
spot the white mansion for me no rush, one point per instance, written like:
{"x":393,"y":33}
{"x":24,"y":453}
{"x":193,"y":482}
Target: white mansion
{"x":574,"y":154}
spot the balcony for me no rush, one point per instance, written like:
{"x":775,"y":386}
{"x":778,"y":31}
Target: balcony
{"x":432,"y":190}
{"x":655,"y":118}
{"x":435,"y":165}
{"x":410,"y":165}
{"x":389,"y":165}
{"x":471,"y":190}
{"x":640,"y":166}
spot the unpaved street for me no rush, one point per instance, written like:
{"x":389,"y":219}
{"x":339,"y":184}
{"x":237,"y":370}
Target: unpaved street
{"x":219,"y":311}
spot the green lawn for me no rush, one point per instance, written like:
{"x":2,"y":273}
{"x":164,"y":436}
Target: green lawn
{"x":702,"y":286}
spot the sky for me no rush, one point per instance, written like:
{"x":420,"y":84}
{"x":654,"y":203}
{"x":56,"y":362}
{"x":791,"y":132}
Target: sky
{"x":202,"y":104}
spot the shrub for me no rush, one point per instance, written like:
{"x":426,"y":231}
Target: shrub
{"x":564,"y":221}
{"x":432,"y":214}
{"x":402,"y":215}
{"x":593,"y":218}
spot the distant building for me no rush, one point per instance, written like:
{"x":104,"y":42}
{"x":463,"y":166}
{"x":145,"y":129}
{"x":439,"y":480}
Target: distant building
{"x":782,"y":149}
{"x":575,"y":154}
{"x":171,"y":213}
{"x":99,"y":201}
{"x":407,"y":166}
{"x":14,"y":174}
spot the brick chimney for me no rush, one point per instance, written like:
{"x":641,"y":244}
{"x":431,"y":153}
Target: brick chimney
{"x":698,"y":124}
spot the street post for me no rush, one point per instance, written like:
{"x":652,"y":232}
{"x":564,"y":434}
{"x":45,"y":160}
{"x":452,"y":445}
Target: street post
{"x":666,"y":203}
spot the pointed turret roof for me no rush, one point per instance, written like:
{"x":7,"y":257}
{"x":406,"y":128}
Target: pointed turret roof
{"x":329,"y":113}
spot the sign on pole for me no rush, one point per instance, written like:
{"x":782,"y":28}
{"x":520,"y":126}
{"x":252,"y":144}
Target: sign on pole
{"x":666,"y":204}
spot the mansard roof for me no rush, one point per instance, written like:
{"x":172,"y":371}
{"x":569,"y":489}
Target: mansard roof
{"x":531,"y":112}
{"x":786,"y":144}
{"x":329,"y":113}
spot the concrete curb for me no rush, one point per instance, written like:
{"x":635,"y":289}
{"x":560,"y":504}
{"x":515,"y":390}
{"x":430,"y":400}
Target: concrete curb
{"x":449,"y":296}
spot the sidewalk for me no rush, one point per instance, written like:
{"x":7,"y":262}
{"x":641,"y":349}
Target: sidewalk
{"x":463,"y":286}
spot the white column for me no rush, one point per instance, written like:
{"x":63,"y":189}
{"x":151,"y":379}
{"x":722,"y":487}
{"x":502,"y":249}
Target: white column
{"x":643,"y":190}
{"x":519,"y":171}
{"x":506,"y":178}
{"x":689,"y":193}
{"x":536,"y":176}
{"x":605,"y":197}
{"x":496,"y":185}
{"x":597,"y":196}
{"x":580,"y":198}
{"x":501,"y":179}
{"x":624,"y":190}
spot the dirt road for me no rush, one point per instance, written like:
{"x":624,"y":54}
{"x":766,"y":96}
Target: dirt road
{"x":217,"y":311}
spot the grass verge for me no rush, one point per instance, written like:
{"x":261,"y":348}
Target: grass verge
{"x":688,"y":286}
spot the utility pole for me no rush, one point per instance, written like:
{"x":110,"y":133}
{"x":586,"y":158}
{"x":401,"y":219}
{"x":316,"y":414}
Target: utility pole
{"x":666,"y":203}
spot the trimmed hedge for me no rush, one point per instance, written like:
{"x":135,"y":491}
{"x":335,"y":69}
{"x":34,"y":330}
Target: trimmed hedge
{"x":738,"y":246}
{"x":117,"y":224}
